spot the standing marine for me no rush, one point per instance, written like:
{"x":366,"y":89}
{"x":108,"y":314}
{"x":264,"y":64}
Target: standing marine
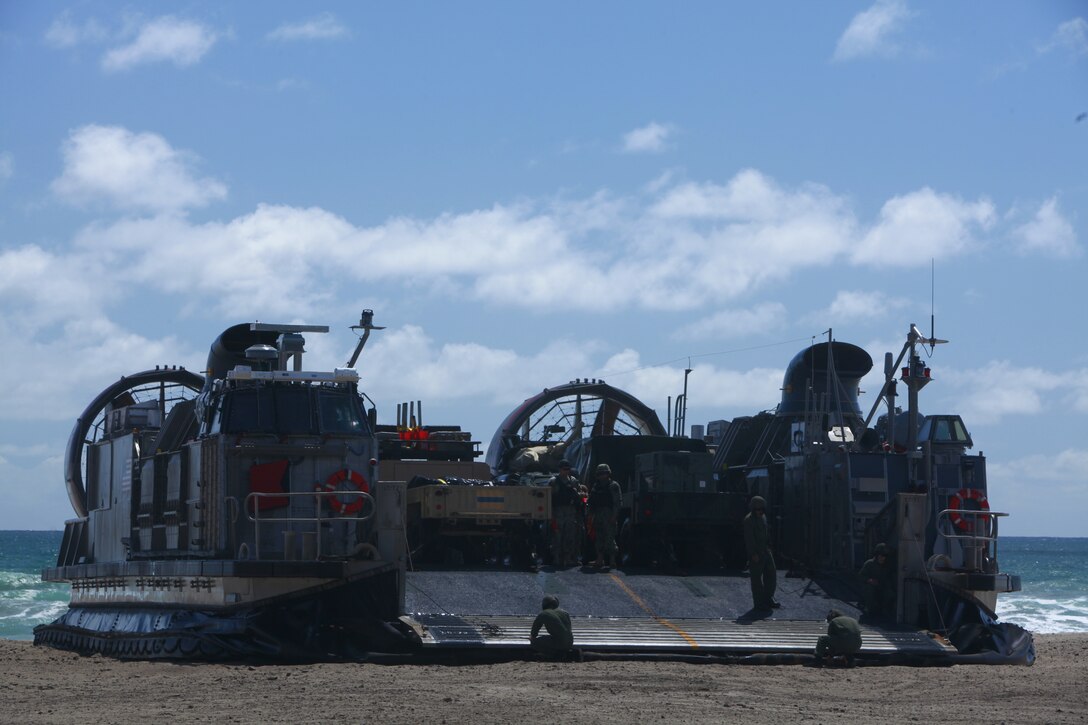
{"x":757,"y":539}
{"x":559,"y":639}
{"x":879,"y":585}
{"x":843,"y":638}
{"x":567,"y":509}
{"x":604,"y":509}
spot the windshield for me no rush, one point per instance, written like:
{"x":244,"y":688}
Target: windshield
{"x":293,"y":410}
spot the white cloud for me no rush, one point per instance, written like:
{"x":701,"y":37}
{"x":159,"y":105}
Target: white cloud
{"x":923,"y":225}
{"x":7,"y":167}
{"x":714,"y":388}
{"x":41,"y":288}
{"x":460,"y":371}
{"x":1071,"y":37}
{"x":164,"y":39}
{"x":1048,"y":233}
{"x":735,"y":323}
{"x":854,"y":305}
{"x":685,"y":247}
{"x":59,"y":369}
{"x":322,"y":27}
{"x":131,"y":171}
{"x":1000,"y":389}
{"x":648,"y":139}
{"x":1028,"y":488}
{"x":870,"y":32}
{"x":66,"y":33}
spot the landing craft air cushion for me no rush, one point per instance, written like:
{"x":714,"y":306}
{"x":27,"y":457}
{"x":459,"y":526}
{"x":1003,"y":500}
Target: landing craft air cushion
{"x":242,"y":514}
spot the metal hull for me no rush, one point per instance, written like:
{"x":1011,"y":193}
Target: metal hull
{"x":232,"y":610}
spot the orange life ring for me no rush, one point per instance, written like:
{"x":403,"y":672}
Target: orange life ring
{"x":955,"y":503}
{"x":333,"y":483}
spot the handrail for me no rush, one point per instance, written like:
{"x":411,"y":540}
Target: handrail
{"x":253,"y":512}
{"x":974,"y":513}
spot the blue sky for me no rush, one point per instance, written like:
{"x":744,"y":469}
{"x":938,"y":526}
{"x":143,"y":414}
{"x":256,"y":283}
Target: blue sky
{"x":530,"y":193}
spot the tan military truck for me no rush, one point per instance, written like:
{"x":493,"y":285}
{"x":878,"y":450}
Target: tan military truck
{"x":456,"y":514}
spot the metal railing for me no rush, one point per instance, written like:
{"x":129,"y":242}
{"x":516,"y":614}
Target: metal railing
{"x":975,"y":542}
{"x":253,"y":513}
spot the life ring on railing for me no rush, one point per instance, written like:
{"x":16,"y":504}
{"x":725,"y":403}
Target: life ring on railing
{"x":334,"y":483}
{"x":956,"y":501}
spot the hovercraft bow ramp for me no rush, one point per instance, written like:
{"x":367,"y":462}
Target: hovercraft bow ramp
{"x":488,"y":613}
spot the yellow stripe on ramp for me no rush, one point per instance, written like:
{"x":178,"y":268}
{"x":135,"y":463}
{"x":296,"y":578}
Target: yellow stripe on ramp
{"x":646,"y":608}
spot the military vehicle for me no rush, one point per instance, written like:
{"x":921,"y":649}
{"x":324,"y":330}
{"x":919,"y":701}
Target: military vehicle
{"x":456,"y":513}
{"x":241,"y":513}
{"x":232,"y":514}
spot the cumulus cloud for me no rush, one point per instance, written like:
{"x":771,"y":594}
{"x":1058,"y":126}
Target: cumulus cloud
{"x":871,"y":31}
{"x":59,"y":369}
{"x":322,"y":27}
{"x":164,"y":39}
{"x":1071,"y":37}
{"x":459,"y":371}
{"x":1049,"y":233}
{"x":923,"y":225}
{"x":648,"y":139}
{"x":728,"y":324}
{"x":139,"y":171}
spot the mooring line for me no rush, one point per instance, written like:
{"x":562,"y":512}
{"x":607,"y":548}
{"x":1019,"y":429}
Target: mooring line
{"x":645,"y":607}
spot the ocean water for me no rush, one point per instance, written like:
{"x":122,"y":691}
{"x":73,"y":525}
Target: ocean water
{"x":1054,"y":575}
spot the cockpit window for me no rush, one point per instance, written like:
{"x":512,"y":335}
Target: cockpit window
{"x":339,"y":414}
{"x":945,"y":429}
{"x":250,"y":411}
{"x":292,"y":410}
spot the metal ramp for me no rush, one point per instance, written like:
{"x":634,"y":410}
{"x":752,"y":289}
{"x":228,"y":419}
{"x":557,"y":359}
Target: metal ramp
{"x":683,"y":636}
{"x":640,"y":612}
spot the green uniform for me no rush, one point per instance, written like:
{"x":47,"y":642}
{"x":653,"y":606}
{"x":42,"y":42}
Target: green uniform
{"x":764,"y":576}
{"x":559,"y":637}
{"x":843,"y":638}
{"x":604,"y":507}
{"x":879,"y":597}
{"x":567,"y":508}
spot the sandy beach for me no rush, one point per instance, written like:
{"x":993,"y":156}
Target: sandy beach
{"x":43,"y":685}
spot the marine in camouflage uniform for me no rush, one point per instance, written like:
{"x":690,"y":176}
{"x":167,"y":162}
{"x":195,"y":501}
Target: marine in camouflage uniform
{"x":604,"y":508}
{"x":843,"y":637}
{"x":567,"y":509}
{"x":556,"y":622}
{"x":757,"y":539}
{"x":879,"y":587}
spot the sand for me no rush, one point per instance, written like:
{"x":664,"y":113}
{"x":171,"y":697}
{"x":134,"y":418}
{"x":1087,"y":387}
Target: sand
{"x":43,"y":685}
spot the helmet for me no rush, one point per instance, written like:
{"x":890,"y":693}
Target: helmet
{"x":603,"y":468}
{"x":757,"y":502}
{"x":833,"y":614}
{"x":881,"y":550}
{"x":550,"y":602}
{"x":564,"y":463}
